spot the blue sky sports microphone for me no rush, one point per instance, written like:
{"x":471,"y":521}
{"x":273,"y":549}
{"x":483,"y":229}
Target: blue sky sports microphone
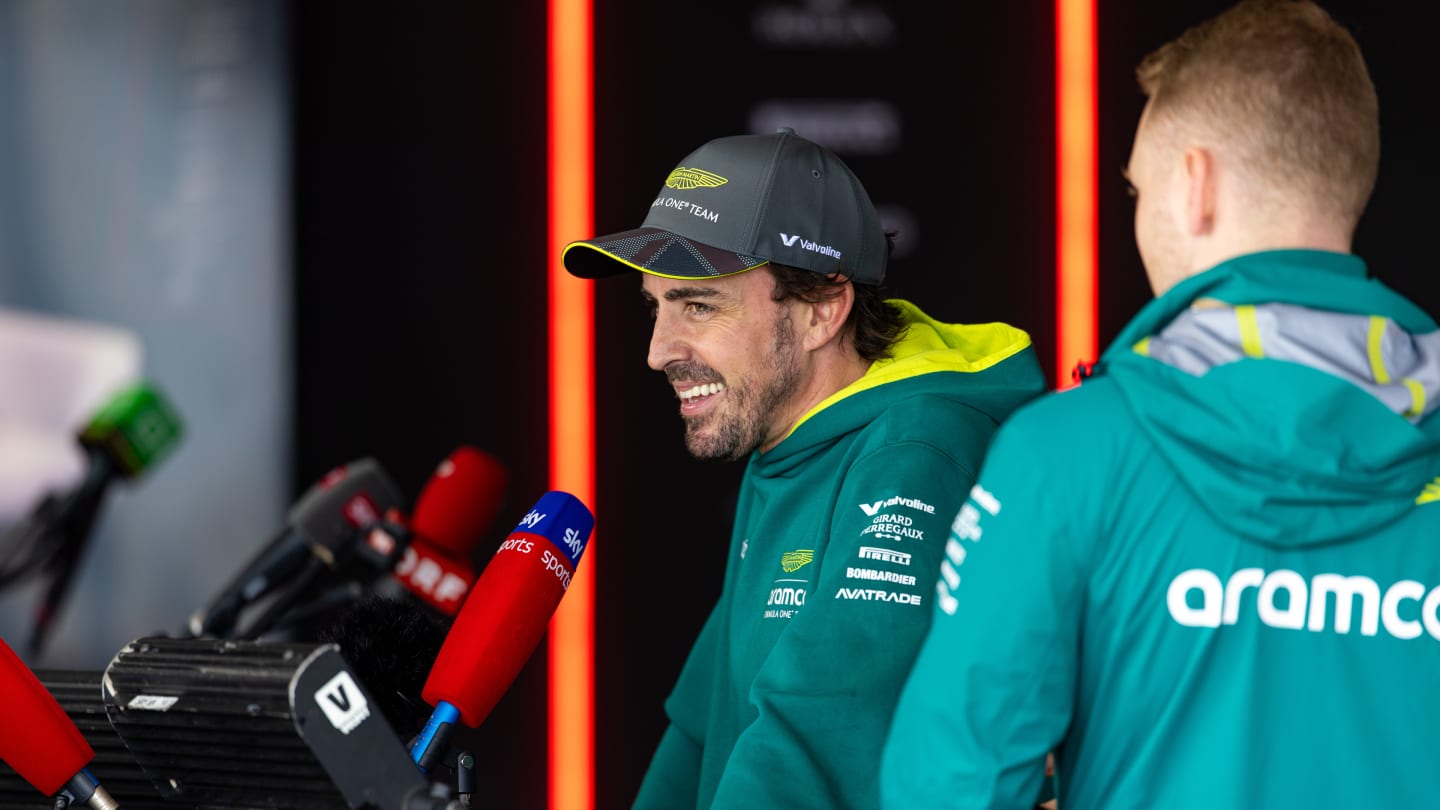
{"x":503,"y":619}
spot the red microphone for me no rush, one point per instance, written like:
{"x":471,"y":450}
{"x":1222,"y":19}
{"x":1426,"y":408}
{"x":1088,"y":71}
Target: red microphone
{"x":503,"y":619}
{"x":433,"y":578}
{"x":460,"y":501}
{"x":39,"y":741}
{"x":452,"y":513}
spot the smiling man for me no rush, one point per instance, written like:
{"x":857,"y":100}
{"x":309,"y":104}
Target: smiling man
{"x":701,"y":327}
{"x":862,"y":421}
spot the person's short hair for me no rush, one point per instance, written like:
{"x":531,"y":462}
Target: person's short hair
{"x":1284,"y":85}
{"x":873,"y":325}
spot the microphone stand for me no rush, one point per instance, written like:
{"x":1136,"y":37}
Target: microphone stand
{"x":314,"y":569}
{"x":76,"y":519}
{"x":353,"y":562}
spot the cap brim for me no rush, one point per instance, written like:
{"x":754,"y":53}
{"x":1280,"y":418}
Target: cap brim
{"x":654,"y":251}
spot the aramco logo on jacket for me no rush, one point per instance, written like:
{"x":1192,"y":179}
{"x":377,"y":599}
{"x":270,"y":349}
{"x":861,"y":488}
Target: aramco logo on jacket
{"x":686,"y":179}
{"x":1324,"y":603}
{"x":792,"y":561}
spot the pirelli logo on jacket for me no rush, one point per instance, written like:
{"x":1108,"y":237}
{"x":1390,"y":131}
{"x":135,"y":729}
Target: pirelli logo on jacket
{"x":884,"y":555}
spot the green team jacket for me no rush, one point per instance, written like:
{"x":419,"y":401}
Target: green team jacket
{"x":785,"y":697}
{"x":1209,"y":576}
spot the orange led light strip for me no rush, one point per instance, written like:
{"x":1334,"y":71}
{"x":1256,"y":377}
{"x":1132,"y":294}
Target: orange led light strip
{"x":572,"y":415}
{"x":1077,"y":310}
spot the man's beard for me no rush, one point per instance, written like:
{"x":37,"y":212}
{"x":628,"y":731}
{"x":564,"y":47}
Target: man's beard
{"x":740,"y":426}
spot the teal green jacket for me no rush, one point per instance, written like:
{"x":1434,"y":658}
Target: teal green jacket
{"x":1209,"y":576}
{"x":785,"y":697}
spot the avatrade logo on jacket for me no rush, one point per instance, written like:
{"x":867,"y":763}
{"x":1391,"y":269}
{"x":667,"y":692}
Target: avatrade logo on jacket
{"x":873,"y":509}
{"x":873,"y":595}
{"x":1198,"y":598}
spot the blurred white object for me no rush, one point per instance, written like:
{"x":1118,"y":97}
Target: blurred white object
{"x":55,"y":373}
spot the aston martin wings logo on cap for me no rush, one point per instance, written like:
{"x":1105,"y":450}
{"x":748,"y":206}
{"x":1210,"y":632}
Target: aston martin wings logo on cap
{"x":792,"y":561}
{"x":685,"y":179}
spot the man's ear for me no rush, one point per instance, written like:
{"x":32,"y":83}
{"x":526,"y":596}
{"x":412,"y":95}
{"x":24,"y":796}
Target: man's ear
{"x":1200,"y":191}
{"x":825,"y":319}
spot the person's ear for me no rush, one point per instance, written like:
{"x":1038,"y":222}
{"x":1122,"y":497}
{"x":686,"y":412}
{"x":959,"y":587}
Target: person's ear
{"x":825,"y":319}
{"x":1200,"y":193}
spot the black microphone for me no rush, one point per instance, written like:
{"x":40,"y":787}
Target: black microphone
{"x":423,"y":559}
{"x":320,"y":533}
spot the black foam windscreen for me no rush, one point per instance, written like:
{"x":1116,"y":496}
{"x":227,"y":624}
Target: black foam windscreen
{"x":390,"y":645}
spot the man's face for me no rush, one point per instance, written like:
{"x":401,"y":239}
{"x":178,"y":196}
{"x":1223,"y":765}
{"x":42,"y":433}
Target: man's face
{"x":1157,"y":184}
{"x":730,"y":353}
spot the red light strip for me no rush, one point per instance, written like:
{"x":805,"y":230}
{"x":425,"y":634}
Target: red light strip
{"x":1077,"y":312}
{"x":572,"y":415}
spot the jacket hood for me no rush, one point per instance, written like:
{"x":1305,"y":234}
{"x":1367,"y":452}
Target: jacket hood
{"x":1293,"y":395}
{"x":991,"y":367}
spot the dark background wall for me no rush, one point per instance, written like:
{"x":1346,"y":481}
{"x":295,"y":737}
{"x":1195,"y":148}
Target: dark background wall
{"x":419,"y":248}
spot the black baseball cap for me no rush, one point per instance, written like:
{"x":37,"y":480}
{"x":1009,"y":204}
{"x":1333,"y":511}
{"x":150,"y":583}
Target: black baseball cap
{"x":742,"y":201}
